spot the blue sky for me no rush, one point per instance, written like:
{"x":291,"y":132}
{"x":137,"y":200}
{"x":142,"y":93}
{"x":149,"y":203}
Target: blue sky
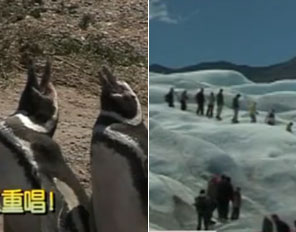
{"x":253,"y":32}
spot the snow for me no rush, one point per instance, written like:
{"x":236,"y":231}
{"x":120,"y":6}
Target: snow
{"x":193,"y":79}
{"x":258,"y":89}
{"x":186,"y":150}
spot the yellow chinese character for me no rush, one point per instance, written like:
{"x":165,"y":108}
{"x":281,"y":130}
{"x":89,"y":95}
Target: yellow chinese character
{"x":51,"y":201}
{"x":12,"y":201}
{"x":35,"y":201}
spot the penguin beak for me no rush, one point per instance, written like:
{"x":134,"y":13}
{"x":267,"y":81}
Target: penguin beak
{"x":46,"y":87}
{"x":32,"y":81}
{"x":45,"y":80}
{"x":107,"y":79}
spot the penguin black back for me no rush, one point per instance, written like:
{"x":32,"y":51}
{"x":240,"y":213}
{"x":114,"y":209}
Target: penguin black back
{"x":119,"y":160}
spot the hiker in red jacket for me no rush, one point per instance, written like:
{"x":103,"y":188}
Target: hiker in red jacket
{"x":212,"y":193}
{"x":224,"y":196}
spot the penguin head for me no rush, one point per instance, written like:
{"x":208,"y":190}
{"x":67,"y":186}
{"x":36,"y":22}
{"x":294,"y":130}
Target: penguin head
{"x":39,"y":100}
{"x":118,"y":99}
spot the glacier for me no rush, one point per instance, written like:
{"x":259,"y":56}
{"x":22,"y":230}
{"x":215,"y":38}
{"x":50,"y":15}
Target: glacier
{"x":186,"y":150}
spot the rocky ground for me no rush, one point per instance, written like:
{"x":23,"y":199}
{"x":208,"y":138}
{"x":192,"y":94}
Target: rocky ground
{"x":80,"y":36}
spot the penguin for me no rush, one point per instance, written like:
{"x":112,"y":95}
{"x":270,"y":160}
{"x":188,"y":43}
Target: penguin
{"x":31,"y":159}
{"x":119,"y":160}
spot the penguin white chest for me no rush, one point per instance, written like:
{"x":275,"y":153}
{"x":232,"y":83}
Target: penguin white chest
{"x":117,"y":203}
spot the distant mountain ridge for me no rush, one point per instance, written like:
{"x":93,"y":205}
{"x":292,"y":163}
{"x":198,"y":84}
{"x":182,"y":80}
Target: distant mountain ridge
{"x":284,"y":70}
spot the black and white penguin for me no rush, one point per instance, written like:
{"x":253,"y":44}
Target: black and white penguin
{"x":31,"y":159}
{"x":119,"y":160}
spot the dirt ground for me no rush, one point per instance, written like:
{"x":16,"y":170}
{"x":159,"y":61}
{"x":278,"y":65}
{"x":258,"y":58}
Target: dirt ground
{"x":52,"y":29}
{"x":79,"y":36}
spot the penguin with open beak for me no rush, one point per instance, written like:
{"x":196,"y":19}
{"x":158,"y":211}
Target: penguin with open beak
{"x":119,"y":160}
{"x":31,"y":159}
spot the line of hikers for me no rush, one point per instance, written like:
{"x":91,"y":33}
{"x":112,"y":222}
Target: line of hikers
{"x":273,"y":223}
{"x":219,"y":100}
{"x":200,"y":100}
{"x":219,"y":194}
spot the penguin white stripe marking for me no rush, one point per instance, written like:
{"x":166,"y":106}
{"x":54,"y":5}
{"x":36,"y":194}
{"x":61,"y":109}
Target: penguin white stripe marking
{"x":55,"y":103}
{"x":138,"y":118}
{"x":68,"y":193}
{"x":121,"y":138}
{"x":25,"y":146}
{"x":31,"y":125}
{"x":69,"y":196}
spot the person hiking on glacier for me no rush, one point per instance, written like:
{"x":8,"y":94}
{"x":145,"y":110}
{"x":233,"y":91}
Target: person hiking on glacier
{"x":212,"y":193}
{"x":235,"y":107}
{"x":270,"y":118}
{"x":200,"y":100}
{"x":289,"y":127}
{"x":224,"y":196}
{"x":169,"y":97}
{"x":253,"y":112}
{"x":183,"y":100}
{"x":211,"y":105}
{"x":203,"y":209}
{"x":220,"y":104}
{"x":236,"y":204}
{"x":212,"y":187}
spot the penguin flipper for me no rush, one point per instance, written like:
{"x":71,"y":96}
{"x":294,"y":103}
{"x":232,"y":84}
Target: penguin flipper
{"x":52,"y":164}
